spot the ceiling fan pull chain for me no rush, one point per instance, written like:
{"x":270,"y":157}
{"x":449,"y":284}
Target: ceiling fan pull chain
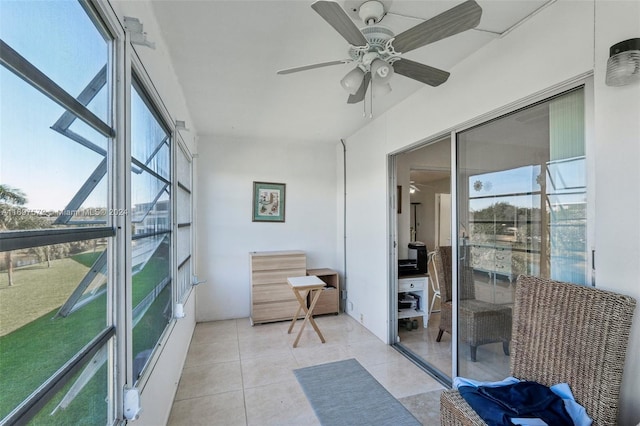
{"x":371,"y":101}
{"x":364,"y":109}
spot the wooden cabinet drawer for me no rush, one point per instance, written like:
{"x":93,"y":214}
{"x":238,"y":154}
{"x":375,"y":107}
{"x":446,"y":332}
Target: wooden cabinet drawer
{"x":275,"y":311}
{"x":283,"y":260}
{"x":272,"y":293}
{"x":275,"y":276}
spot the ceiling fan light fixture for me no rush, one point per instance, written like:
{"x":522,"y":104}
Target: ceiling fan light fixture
{"x":380,"y":89}
{"x":381,"y":71}
{"x":623,"y":66}
{"x":352,"y":81}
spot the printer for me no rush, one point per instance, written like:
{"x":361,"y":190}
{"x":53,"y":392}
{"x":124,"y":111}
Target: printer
{"x":416,"y":264}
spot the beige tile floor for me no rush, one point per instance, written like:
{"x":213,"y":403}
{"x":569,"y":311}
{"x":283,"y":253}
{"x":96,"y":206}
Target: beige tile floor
{"x":491,"y":363}
{"x":236,"y":374}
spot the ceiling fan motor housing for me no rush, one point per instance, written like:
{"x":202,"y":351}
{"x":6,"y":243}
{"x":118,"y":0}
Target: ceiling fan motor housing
{"x":371,"y":12}
{"x":377,"y":37}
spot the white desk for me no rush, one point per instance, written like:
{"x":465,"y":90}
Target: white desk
{"x":309,"y":284}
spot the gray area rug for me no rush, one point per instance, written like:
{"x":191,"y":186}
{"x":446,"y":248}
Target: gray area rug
{"x":344,"y":393}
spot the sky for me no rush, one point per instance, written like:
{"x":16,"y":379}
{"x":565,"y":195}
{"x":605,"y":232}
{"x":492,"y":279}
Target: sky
{"x":63,"y":42}
{"x":48,"y":167}
{"x":568,"y":177}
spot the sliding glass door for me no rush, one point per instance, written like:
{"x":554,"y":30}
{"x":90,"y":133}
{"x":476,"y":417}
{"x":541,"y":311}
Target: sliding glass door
{"x":522,"y":209}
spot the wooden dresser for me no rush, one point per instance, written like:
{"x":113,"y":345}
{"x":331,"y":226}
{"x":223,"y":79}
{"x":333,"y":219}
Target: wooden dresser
{"x":271,"y":296}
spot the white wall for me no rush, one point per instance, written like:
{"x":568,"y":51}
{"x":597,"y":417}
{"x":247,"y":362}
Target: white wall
{"x":228,"y":167}
{"x":158,"y":391}
{"x":426,"y":211}
{"x":436,"y":157}
{"x":617,"y":134}
{"x":554,"y":46}
{"x":506,"y":70}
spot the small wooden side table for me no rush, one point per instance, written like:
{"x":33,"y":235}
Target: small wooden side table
{"x":309,"y":285}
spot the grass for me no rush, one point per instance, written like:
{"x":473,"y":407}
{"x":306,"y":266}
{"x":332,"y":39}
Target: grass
{"x":87,"y":259}
{"x":36,"y":291}
{"x":147,"y":279}
{"x":37,"y":345}
{"x":31,"y":354}
{"x":148,"y":331}
{"x":88,"y":408}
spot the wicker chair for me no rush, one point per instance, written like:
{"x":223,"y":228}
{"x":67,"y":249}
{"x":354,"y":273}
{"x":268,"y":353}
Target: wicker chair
{"x":479,"y":322}
{"x":563,"y":333}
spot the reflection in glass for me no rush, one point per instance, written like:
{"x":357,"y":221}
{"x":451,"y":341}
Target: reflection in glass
{"x":183,"y":214}
{"x":151,"y":221}
{"x":522,"y":210}
{"x":151,"y":296}
{"x":150,"y":141}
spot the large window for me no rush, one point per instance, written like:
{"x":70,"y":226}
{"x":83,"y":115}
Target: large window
{"x":151,"y":223}
{"x":184,"y":204}
{"x":91,"y":233}
{"x":55,"y":226}
{"x":522,"y":206}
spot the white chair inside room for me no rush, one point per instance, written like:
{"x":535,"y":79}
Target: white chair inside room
{"x":435,"y":284}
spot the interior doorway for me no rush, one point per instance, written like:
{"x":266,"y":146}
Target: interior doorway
{"x":423,"y":176}
{"x":443,"y":219}
{"x":521,"y":205}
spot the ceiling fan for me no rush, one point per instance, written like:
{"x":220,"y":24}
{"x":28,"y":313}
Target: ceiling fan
{"x":377,"y":51}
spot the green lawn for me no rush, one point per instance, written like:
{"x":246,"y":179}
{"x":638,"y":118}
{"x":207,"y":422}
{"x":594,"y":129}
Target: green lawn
{"x":148,"y":278}
{"x":33,"y":347}
{"x":31,"y":354}
{"x":87,"y":259}
{"x":88,"y":408}
{"x":37,"y":291}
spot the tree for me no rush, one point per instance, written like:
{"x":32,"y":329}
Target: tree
{"x":11,"y":201}
{"x":50,"y":252}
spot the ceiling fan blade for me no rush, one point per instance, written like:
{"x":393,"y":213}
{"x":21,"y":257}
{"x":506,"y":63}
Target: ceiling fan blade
{"x":310,"y":67}
{"x":423,"y":73}
{"x":359,"y":96}
{"x":335,"y":15}
{"x":455,"y":20}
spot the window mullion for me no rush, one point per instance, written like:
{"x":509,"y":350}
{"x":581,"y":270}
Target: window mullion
{"x":36,"y":78}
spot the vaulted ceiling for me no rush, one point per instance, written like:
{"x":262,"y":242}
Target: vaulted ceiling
{"x":226,"y":55}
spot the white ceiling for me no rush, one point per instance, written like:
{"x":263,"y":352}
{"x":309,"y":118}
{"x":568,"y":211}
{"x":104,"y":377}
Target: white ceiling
{"x":226,"y":55}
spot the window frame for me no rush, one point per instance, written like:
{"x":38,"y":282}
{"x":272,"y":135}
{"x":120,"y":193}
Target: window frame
{"x":14,"y":240}
{"x":137,"y":74}
{"x":182,"y":294}
{"x":585,"y":81}
{"x":123,"y":66}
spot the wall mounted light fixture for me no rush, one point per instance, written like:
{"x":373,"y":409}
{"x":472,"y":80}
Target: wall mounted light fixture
{"x":623,"y":66}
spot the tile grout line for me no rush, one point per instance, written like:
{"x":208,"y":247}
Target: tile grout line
{"x":244,"y":394}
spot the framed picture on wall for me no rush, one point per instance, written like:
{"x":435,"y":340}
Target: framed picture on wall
{"x":268,"y":201}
